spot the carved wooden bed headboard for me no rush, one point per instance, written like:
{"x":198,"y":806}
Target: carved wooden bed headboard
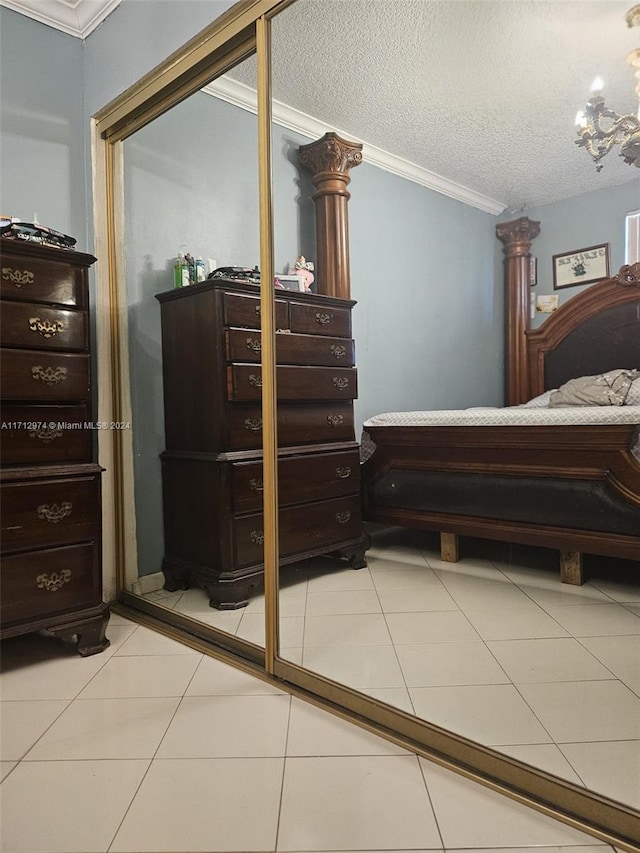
{"x":595,"y":331}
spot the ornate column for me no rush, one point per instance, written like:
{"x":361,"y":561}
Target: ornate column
{"x":517,"y":237}
{"x":329,"y":160}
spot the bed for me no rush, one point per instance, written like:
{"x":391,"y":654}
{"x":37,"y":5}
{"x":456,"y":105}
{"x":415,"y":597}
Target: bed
{"x":566,"y":478}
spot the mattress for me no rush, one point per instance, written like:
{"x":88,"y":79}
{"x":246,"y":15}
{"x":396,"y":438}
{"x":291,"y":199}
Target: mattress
{"x":510,"y":416}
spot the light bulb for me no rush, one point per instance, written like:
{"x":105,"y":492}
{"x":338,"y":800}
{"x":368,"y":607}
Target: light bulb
{"x":581,"y":120}
{"x":597,"y":86}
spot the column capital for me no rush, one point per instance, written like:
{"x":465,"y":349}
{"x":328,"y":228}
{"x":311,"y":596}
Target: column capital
{"x":330,"y":154}
{"x":517,"y":235}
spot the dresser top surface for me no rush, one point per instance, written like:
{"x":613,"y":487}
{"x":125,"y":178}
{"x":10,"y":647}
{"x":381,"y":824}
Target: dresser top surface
{"x":28,"y":249}
{"x":245,"y":289}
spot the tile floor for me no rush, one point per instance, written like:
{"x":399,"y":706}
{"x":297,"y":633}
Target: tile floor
{"x":151,"y":746}
{"x":493,"y":647}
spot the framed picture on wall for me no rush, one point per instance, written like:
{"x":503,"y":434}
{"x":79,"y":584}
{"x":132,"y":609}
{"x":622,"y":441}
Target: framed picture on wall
{"x":582,"y":266}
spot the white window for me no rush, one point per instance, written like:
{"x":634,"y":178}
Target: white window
{"x":632,"y":244}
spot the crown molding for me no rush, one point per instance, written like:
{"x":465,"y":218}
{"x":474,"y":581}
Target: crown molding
{"x":75,"y":17}
{"x":245,"y":97}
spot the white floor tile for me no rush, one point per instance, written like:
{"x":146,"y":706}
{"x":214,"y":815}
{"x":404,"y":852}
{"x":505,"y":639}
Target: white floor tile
{"x":574,"y":712}
{"x":490,"y":714}
{"x":596,"y":620}
{"x":362,"y":667}
{"x":514,"y":623}
{"x":611,"y":768}
{"x":365,"y":629}
{"x":252,"y":628}
{"x":483,"y":594}
{"x":6,"y":767}
{"x":528,"y":661}
{"x":106,"y":728}
{"x":434,"y":627}
{"x":624,"y":592}
{"x":227,"y":726}
{"x":203,"y":806}
{"x":443,"y":664}
{"x":420,"y":599}
{"x":397,"y":697}
{"x":387,"y":574}
{"x":216,"y":678}
{"x":345,"y":601}
{"x":314,"y":732}
{"x":553,"y":593}
{"x":144,"y":641}
{"x":22,"y":723}
{"x":490,"y":819}
{"x":355,"y":803}
{"x":66,"y":806}
{"x":339,"y":579}
{"x":144,"y":675}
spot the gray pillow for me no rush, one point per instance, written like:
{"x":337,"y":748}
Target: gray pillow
{"x":604,"y":389}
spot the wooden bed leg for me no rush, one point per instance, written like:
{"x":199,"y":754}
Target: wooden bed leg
{"x":571,"y":567}
{"x":449,"y":547}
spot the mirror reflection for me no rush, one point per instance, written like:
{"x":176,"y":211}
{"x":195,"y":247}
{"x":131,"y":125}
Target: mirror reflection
{"x":493,"y":646}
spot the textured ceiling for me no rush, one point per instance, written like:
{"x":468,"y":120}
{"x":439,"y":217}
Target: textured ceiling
{"x":481,"y":92}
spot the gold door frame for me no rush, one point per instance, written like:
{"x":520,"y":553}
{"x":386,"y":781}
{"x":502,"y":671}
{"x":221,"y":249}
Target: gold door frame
{"x":241,"y":31}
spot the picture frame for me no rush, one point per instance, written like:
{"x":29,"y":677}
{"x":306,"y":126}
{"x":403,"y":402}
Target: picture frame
{"x":291,"y":282}
{"x":581,"y":266}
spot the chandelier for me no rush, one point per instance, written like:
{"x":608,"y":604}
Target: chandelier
{"x":624,"y":131}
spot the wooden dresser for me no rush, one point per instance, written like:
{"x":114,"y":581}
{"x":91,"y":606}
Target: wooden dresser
{"x":50,"y":564}
{"x":212,"y":465}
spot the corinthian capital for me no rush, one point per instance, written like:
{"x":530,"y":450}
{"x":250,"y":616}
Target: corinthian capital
{"x":331,"y":153}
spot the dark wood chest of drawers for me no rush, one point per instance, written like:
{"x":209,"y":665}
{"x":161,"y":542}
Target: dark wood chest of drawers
{"x":50,"y":550}
{"x":212,"y":465}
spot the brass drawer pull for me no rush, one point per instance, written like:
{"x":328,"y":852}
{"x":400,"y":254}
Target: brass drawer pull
{"x":337,"y":350}
{"x":258,"y":310}
{"x":256,"y":485}
{"x":17,"y":277}
{"x":49,"y":375}
{"x":343,"y":517}
{"x":335,"y":420}
{"x":257,"y":537}
{"x":340,"y":383}
{"x":323,"y":319}
{"x":254,"y":380}
{"x":45,"y":327}
{"x":54,"y":513}
{"x":54,"y":581}
{"x":253,"y":424}
{"x":253,"y":345}
{"x":46,"y":434}
{"x":343,"y":473}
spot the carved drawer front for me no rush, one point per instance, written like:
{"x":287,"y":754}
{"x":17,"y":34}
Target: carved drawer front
{"x":302,"y":529}
{"x":315,"y":477}
{"x":291,"y":349}
{"x":37,"y":434}
{"x":320,"y":320}
{"x":36,"y":514}
{"x":297,"y":424}
{"x":244,"y":383}
{"x":35,"y":280}
{"x":42,"y":376}
{"x":23,"y":324}
{"x":42,"y":583}
{"x":245,"y":311}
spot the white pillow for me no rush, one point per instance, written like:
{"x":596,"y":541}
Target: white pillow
{"x":633,"y":397}
{"x":541,"y":402}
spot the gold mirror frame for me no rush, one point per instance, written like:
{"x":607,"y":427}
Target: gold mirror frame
{"x":243,"y":30}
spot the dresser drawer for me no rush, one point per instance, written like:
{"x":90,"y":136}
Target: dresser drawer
{"x":301,"y":479}
{"x":23,"y":324}
{"x":245,"y":311}
{"x":43,"y":376}
{"x":297,"y":424}
{"x":38,"y":280}
{"x":291,"y":349}
{"x":301,"y":529}
{"x":43,"y":583}
{"x":38,"y":434}
{"x":36,"y":514}
{"x":244,"y":383}
{"x":318,"y":320}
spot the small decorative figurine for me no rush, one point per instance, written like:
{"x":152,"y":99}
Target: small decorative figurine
{"x":302,"y":268}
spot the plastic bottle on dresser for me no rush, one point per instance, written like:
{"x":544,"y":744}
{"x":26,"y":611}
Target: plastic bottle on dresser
{"x":181,"y":271}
